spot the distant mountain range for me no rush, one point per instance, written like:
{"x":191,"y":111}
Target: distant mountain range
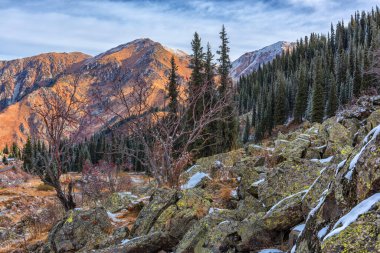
{"x":249,"y":62}
{"x":21,"y":80}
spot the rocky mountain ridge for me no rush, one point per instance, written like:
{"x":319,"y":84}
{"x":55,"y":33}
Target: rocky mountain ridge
{"x":141,"y":60}
{"x":251,"y":61}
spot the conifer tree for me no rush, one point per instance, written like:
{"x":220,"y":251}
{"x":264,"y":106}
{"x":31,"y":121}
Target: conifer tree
{"x":6,"y":149}
{"x":172,"y":88}
{"x":317,"y":110}
{"x":280,"y":101}
{"x":301,"y":98}
{"x":228,"y":129}
{"x":27,"y":156}
{"x":246,"y":130}
{"x":332,"y":103}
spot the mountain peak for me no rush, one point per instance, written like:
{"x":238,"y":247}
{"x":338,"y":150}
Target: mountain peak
{"x":250,"y":61}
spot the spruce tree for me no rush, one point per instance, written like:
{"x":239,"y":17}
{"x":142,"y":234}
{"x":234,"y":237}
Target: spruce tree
{"x":227,"y":129}
{"x":280,"y":101}
{"x":6,"y":149}
{"x":332,"y":103}
{"x":172,"y":88}
{"x":317,"y":110}
{"x":301,"y":98}
{"x":27,"y":155}
{"x":246,"y":130}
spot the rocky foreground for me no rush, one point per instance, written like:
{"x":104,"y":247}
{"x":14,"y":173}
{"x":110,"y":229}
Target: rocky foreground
{"x":315,"y":189}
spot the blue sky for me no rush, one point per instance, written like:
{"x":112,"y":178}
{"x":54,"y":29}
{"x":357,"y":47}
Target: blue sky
{"x":93,"y":26}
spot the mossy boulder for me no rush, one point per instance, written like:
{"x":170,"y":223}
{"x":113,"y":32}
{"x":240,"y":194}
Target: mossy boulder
{"x":363,"y":235}
{"x":80,"y":230}
{"x":119,"y":200}
{"x":287,"y":178}
{"x":194,"y":238}
{"x":294,"y":149}
{"x":336,"y":135}
{"x":247,"y":176}
{"x":159,"y":202}
{"x":192,"y":205}
{"x":373,"y":120}
{"x":249,"y":205}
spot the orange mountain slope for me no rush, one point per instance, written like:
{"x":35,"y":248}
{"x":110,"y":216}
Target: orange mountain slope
{"x":142,"y":59}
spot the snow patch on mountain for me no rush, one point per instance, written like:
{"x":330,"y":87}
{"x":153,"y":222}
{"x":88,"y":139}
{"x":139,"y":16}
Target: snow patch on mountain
{"x":251,"y":61}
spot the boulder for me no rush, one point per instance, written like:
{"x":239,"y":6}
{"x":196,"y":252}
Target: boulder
{"x":336,"y":135}
{"x":287,"y":178}
{"x":153,"y":242}
{"x":159,"y":202}
{"x":360,"y":236}
{"x":119,"y":200}
{"x":80,"y":230}
{"x":293,"y":149}
{"x":248,"y":205}
{"x":192,"y":205}
{"x":194,"y":238}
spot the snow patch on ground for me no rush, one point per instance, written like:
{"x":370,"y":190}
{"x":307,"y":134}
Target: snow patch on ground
{"x":325,"y":160}
{"x":113,"y":217}
{"x":258,"y":182}
{"x":323,"y":232}
{"x":340,"y":165}
{"x":270,"y":251}
{"x":353,"y":215}
{"x":299,"y":227}
{"x":194,"y":180}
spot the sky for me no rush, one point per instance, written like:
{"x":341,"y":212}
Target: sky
{"x":31,"y":27}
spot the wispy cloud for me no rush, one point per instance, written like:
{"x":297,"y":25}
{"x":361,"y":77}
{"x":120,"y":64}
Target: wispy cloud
{"x":32,"y":27}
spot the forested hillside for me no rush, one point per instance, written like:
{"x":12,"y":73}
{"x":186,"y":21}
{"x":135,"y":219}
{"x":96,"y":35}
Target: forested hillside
{"x":323,"y":73}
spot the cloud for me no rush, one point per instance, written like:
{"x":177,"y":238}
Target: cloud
{"x":33,"y":27}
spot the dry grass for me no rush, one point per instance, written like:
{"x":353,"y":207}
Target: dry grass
{"x":44,"y":187}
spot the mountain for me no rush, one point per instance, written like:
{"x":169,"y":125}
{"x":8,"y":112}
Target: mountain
{"x":21,"y":76}
{"x":249,"y":62}
{"x":139,"y":60}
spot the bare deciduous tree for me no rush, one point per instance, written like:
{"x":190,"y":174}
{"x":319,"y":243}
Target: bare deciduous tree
{"x":166,"y":140}
{"x":59,"y":121}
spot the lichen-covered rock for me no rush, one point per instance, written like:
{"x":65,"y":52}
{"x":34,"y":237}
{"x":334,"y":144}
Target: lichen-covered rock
{"x":119,"y":200}
{"x":153,"y":242}
{"x":285,"y":214}
{"x":247,"y":176}
{"x":363,"y":235}
{"x":287,"y":178}
{"x":80,"y":230}
{"x":336,"y":135}
{"x":249,"y":205}
{"x":192,"y":205}
{"x":294,"y":149}
{"x":159,"y":202}
{"x":194,"y":238}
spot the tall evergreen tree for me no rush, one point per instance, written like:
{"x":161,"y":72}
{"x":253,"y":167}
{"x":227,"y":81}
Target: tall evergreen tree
{"x":6,"y":149}
{"x":246,"y":130}
{"x":172,"y":88}
{"x":317,"y":110}
{"x":27,"y":155}
{"x":301,"y":98}
{"x":228,"y":129}
{"x":280,"y":101}
{"x":332,"y":103}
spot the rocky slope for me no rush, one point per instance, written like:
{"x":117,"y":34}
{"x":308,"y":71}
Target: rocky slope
{"x":20,"y":77}
{"x":249,"y":62}
{"x":142,"y":60}
{"x":315,"y":189}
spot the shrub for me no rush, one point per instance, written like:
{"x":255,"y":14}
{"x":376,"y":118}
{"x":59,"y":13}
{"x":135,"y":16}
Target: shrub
{"x":45,"y":187}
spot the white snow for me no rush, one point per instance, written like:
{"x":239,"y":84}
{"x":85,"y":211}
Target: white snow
{"x":352,"y":216}
{"x":258,"y":182}
{"x":214,"y":209}
{"x":192,"y":167}
{"x":126,"y":194}
{"x":194,"y":180}
{"x":124,"y":241}
{"x":113,"y":217}
{"x":299,"y":227}
{"x":323,"y":232}
{"x":325,"y":160}
{"x":340,"y":165}
{"x":294,"y":249}
{"x":284,"y":199}
{"x":234,"y":193}
{"x":372,"y":134}
{"x":321,"y":200}
{"x":270,"y":251}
